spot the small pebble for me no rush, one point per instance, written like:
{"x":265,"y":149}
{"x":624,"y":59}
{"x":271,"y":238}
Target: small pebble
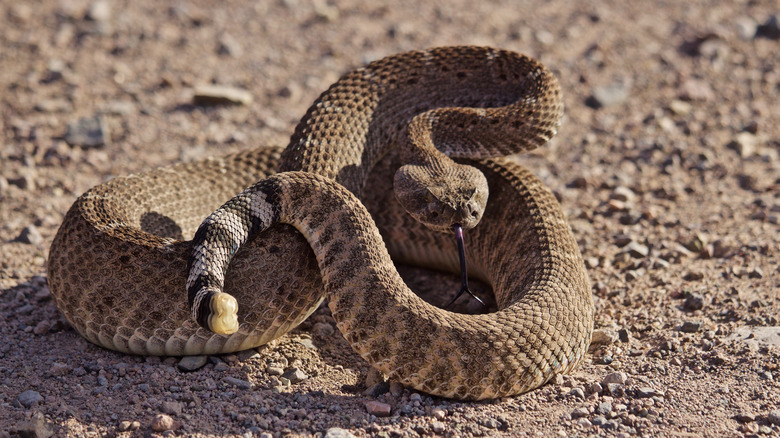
{"x":294,"y":375}
{"x":30,"y":235}
{"x":745,"y":144}
{"x":774,"y":417}
{"x":622,"y":240}
{"x":745,"y":417}
{"x":162,"y":422}
{"x":583,"y":423}
{"x":693,"y":301}
{"x":690,"y":327}
{"x":646,"y":392}
{"x":396,"y":389}
{"x":326,"y":12}
{"x":490,"y":423}
{"x":323,"y":330}
{"x":120,"y":107}
{"x":29,"y":398}
{"x":373,"y":377}
{"x":87,"y":132}
{"x":578,"y":182}
{"x":25,"y":181}
{"x":126,"y":426}
{"x":238,"y":383}
{"x":55,"y":70}
{"x":680,"y":107}
{"x":229,"y":46}
{"x":749,"y":428}
{"x":604,"y":408}
{"x":608,"y":95}
{"x":438,"y":413}
{"x":59,"y":369}
{"x":337,"y":432}
{"x":603,"y":337}
{"x":693,"y":276}
{"x":307,"y":342}
{"x":191,"y":363}
{"x":636,"y":250}
{"x":756,"y":272}
{"x":746,"y":27}
{"x":545,"y":37}
{"x":378,"y":408}
{"x":53,"y":106}
{"x":248,"y":354}
{"x":212,"y":95}
{"x":623,"y":194}
{"x":592,"y":262}
{"x":770,"y":29}
{"x":694,"y":89}
{"x":21,"y":12}
{"x":580,"y":412}
{"x":35,"y":426}
{"x":99,"y":11}
{"x":438,"y":427}
{"x":172,"y":408}
{"x":617,"y":377}
{"x":274,"y":370}
{"x":42,"y":328}
{"x":377,"y":389}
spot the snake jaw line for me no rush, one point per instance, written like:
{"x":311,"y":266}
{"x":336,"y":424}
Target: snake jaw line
{"x":224,"y":314}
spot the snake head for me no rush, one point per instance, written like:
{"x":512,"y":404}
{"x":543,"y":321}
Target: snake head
{"x":439,"y":199}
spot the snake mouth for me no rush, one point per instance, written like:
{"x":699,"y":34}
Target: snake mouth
{"x":464,"y":274}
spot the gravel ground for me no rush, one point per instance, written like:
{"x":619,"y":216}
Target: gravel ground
{"x":667,"y":167}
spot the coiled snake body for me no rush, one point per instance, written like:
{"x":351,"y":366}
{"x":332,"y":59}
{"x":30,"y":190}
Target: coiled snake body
{"x":117,"y":267}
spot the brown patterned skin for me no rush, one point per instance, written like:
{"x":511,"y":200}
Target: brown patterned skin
{"x":482,"y":103}
{"x":116,"y":267}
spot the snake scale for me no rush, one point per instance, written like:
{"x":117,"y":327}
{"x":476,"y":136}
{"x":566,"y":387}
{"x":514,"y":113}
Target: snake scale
{"x":119,"y":263}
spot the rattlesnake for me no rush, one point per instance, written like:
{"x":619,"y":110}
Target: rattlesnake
{"x":117,"y":265}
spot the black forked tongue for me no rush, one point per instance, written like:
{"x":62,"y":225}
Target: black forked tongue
{"x":464,"y":275}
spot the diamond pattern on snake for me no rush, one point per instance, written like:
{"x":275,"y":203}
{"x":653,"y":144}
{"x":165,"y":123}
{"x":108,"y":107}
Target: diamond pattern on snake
{"x":379,"y":169}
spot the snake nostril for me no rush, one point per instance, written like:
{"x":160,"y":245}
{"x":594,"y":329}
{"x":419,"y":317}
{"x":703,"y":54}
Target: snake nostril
{"x":471,"y":210}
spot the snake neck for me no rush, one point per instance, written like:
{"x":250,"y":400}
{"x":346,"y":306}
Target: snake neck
{"x":489,"y":103}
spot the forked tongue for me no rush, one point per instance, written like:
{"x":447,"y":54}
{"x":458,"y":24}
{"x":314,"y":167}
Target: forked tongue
{"x":464,"y":275}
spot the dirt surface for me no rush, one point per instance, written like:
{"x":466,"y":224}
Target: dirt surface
{"x":666,"y":165}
